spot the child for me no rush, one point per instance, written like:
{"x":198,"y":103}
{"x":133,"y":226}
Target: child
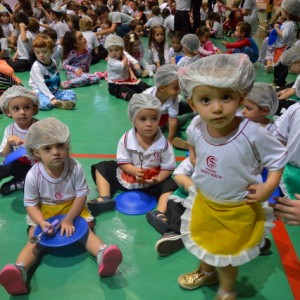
{"x":48,"y":141}
{"x":145,"y":160}
{"x":155,"y":19}
{"x":4,"y":50}
{"x":235,"y":16}
{"x":206,"y":46}
{"x":175,"y":51}
{"x":86,"y":27}
{"x":190,"y":47}
{"x":286,"y":35}
{"x":21,"y":105}
{"x":261,"y":104}
{"x":167,"y":89}
{"x":28,"y":27}
{"x":168,"y":21}
{"x":44,"y":77}
{"x":105,"y":24}
{"x":158,"y":46}
{"x":210,"y":229}
{"x":122,"y":82}
{"x":7,"y":27}
{"x":245,"y":43}
{"x":291,"y":59}
{"x":213,"y":23}
{"x":77,"y":59}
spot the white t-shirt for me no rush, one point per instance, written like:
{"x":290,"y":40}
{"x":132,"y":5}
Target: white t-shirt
{"x":186,"y":60}
{"x":226,"y":166}
{"x":24,"y":48}
{"x":91,"y":39}
{"x":8,"y":29}
{"x":116,"y":70}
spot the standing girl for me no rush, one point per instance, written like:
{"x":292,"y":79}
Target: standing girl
{"x":77,"y":59}
{"x":55,"y":185}
{"x":224,"y":224}
{"x":158,"y":46}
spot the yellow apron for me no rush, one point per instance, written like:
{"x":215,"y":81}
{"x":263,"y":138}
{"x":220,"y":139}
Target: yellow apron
{"x":226,"y":228}
{"x":62,"y":209}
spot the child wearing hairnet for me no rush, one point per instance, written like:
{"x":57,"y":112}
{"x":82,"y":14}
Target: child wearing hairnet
{"x":122,"y":82}
{"x":55,"y":185}
{"x":190,"y":47}
{"x":167,"y":89}
{"x":261,"y":104}
{"x":19,"y":104}
{"x":145,"y":161}
{"x":224,"y":223}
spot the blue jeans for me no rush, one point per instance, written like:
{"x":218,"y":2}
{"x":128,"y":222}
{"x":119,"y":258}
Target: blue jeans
{"x":63,"y":95}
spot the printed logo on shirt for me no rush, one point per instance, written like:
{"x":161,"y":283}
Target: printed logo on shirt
{"x":212,"y":163}
{"x":58,"y":195}
{"x":155,"y":158}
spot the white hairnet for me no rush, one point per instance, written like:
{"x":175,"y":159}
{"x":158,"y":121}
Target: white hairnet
{"x":17,"y":91}
{"x":191,"y":42}
{"x":113,"y":40}
{"x":45,"y":132}
{"x":292,"y":7}
{"x":234,"y":71}
{"x":142,"y":101}
{"x":166,"y":74}
{"x":290,"y":56}
{"x":264,"y":95}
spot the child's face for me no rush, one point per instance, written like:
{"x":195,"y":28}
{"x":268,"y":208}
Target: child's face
{"x":43,"y":55}
{"x":21,"y":110}
{"x":146,"y":123}
{"x":5,"y":19}
{"x":217,"y":108}
{"x":176,"y":44}
{"x":136,"y":46}
{"x":295,"y":68}
{"x":253,"y":112}
{"x":238,"y":34}
{"x":139,"y":30}
{"x":80,"y":41}
{"x":53,"y":156}
{"x":159,"y":35}
{"x":104,"y":26}
{"x":172,"y":90}
{"x":204,"y":38}
{"x":115,"y":52}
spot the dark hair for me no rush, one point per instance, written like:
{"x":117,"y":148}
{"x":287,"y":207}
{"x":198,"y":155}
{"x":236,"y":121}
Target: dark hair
{"x":165,"y":13}
{"x":129,"y":39}
{"x":100,"y":10}
{"x":74,"y":19}
{"x":245,"y":28}
{"x":83,"y":8}
{"x":1,"y":32}
{"x":68,"y":42}
{"x":176,"y":34}
{"x":135,"y":23}
{"x":33,"y":25}
{"x":26,"y":7}
{"x":51,"y":33}
{"x":202,"y":31}
{"x":151,"y":39}
{"x":21,"y":17}
{"x":155,"y":10}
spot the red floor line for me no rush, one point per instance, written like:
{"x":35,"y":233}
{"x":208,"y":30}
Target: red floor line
{"x":289,"y":258}
{"x":105,"y":156}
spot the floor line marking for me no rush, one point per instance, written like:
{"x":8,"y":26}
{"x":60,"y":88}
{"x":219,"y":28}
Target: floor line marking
{"x":288,"y":256}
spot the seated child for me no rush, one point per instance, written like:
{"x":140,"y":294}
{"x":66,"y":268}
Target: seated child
{"x":21,"y":105}
{"x":122,"y":82}
{"x":167,"y":89}
{"x":57,"y":50}
{"x":206,"y":45}
{"x":190,"y":47}
{"x":213,"y":23}
{"x":48,"y":141}
{"x":145,"y":161}
{"x":175,"y":51}
{"x":245,"y":43}
{"x":261,"y":104}
{"x":44,"y":77}
{"x":235,"y":16}
{"x":155,"y":18}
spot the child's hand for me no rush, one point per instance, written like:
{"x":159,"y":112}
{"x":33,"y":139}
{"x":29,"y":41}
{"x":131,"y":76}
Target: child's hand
{"x":132,"y":77}
{"x":22,"y":25}
{"x":224,"y":43}
{"x":67,"y":227}
{"x":14,"y":140}
{"x":45,"y":225}
{"x":139,"y":175}
{"x":78,"y":72}
{"x":152,"y":181}
{"x":258,"y":193}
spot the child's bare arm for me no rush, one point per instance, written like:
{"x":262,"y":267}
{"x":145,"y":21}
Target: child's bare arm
{"x":183,"y":180}
{"x":23,"y":32}
{"x":262,"y":191}
{"x":161,"y":176}
{"x":286,"y":93}
{"x":37,"y":216}
{"x":133,"y":170}
{"x":12,"y":140}
{"x":172,"y":129}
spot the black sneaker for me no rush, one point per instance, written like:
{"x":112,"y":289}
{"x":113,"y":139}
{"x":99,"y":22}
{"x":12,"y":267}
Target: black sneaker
{"x":169,"y":243}
{"x":266,"y":248}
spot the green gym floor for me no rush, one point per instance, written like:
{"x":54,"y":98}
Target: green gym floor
{"x":96,"y":125}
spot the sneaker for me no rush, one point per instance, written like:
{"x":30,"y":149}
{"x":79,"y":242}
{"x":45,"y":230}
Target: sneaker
{"x":158,"y":220}
{"x":109,"y":259}
{"x":266,"y":248}
{"x":13,"y":279}
{"x":11,"y":186}
{"x":197,"y":279}
{"x":169,"y":243}
{"x":180,"y":143}
{"x":68,"y":105}
{"x":101,"y":204}
{"x":228,"y":296}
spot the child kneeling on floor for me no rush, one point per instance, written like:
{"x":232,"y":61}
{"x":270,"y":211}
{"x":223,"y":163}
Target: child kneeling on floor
{"x":145,"y":161}
{"x":55,"y":185}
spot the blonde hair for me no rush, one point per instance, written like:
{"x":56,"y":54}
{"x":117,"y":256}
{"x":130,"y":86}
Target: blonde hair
{"x":86,"y":24}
